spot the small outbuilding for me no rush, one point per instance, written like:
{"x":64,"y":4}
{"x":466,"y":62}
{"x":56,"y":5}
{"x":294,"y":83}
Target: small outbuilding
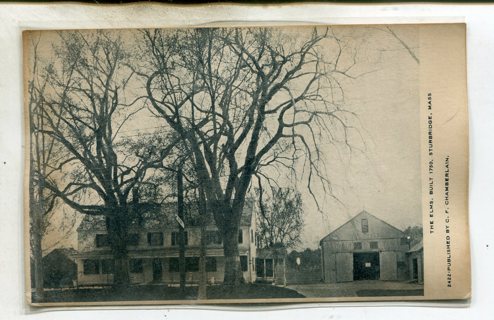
{"x":416,"y":262}
{"x":271,"y":265}
{"x":59,"y":268}
{"x":364,"y":248}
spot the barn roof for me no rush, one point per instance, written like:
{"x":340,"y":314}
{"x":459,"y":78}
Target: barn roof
{"x":163,"y":217}
{"x":350,"y":230}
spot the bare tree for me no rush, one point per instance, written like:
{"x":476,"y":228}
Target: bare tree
{"x":245,"y":100}
{"x":281,"y":218}
{"x":44,"y":154}
{"x":84,"y":109}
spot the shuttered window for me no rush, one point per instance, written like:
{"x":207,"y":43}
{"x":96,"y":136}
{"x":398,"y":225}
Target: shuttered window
{"x":155,"y":238}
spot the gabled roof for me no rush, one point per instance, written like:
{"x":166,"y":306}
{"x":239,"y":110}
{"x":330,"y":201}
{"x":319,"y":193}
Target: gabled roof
{"x":163,"y":217}
{"x":67,"y":252}
{"x":417,"y":247}
{"x":351,"y":230}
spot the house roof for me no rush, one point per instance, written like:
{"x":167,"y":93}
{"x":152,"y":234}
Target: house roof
{"x":417,"y":247}
{"x":270,"y":253}
{"x":350,"y":231}
{"x":67,"y":252}
{"x":163,"y":217}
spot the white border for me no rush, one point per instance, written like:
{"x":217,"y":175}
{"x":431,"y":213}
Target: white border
{"x":480,"y":38}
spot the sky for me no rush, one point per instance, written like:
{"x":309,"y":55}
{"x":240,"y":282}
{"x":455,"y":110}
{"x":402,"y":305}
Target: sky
{"x":384,"y":179}
{"x":382,"y":173}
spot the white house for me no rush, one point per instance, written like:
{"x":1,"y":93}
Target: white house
{"x":154,"y":249}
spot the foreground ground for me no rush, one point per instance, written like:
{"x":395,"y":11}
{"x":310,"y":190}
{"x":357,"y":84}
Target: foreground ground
{"x":365,"y":288}
{"x":159,"y":292}
{"x":247,"y":291}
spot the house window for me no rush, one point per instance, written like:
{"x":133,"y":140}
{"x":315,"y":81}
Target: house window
{"x":213,"y":237}
{"x":176,"y":238}
{"x":192,"y":264}
{"x":260,"y":267}
{"x":133,"y":239}
{"x":91,"y":266}
{"x":240,"y":236}
{"x":174,"y":265}
{"x":102,"y":241}
{"x":373,"y":245}
{"x":107,"y":266}
{"x":243,"y":263}
{"x":269,"y":267}
{"x":155,"y":238}
{"x":357,"y":245}
{"x":251,"y":235}
{"x":211,"y":264}
{"x":365,"y":225}
{"x":135,"y":266}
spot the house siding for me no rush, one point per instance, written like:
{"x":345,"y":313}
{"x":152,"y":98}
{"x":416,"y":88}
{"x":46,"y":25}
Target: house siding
{"x":88,"y":250}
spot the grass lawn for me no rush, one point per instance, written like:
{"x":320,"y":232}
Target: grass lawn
{"x":383,"y":293}
{"x":251,"y":291}
{"x":160,"y":292}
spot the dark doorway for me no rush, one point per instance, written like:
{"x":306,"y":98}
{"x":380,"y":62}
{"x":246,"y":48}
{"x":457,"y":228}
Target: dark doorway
{"x":366,"y":266}
{"x":415,"y":265}
{"x":157,"y":269}
{"x":260,"y":268}
{"x":264,"y":268}
{"x":269,"y":268}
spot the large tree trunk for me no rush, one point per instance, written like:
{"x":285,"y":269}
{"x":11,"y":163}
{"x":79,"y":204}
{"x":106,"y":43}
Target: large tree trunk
{"x":233,"y":271}
{"x":117,"y":227}
{"x":121,"y":273}
{"x":228,"y":222}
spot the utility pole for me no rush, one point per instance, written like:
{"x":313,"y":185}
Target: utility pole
{"x":180,"y":204}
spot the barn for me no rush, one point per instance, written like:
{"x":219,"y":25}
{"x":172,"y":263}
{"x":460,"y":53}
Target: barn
{"x":364,"y":248}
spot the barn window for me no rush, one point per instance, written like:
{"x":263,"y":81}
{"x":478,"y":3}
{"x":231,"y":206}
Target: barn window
{"x":357,"y":245}
{"x":365,"y":225}
{"x":373,"y":245}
